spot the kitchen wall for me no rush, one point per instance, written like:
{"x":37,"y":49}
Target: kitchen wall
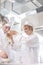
{"x":36,"y":19}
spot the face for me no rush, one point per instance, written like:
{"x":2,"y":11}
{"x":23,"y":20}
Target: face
{"x":6,"y":29}
{"x":27,"y":30}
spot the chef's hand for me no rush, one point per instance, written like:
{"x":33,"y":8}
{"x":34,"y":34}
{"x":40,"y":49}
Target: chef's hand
{"x":3,"y":54}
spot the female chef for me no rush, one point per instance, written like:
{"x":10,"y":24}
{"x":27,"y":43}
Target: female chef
{"x":3,"y":41}
{"x":6,"y":39}
{"x":30,"y":44}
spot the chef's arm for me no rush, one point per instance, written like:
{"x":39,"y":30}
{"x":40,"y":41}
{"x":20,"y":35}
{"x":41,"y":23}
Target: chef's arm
{"x":14,"y":32}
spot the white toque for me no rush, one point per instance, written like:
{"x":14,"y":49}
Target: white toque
{"x":7,"y":25}
{"x":28,"y":23}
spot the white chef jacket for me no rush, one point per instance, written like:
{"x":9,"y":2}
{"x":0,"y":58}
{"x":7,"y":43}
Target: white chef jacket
{"x":3,"y":46}
{"x":3,"y":40}
{"x":29,"y":47}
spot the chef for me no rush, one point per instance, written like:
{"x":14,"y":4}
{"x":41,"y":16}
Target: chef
{"x":30,"y":44}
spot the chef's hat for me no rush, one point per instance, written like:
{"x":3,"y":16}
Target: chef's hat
{"x":5,"y":20}
{"x":27,"y":23}
{"x":7,"y":25}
